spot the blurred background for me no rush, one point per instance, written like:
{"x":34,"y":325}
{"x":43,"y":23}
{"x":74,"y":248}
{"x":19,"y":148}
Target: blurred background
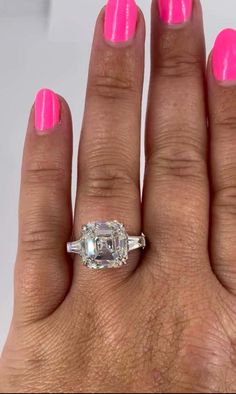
{"x":46,"y":43}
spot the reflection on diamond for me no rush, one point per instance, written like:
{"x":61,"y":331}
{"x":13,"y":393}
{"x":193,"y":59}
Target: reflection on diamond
{"x":104,"y":245}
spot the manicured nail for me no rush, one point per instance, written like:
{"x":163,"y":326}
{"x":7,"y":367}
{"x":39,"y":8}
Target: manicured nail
{"x":47,"y":110}
{"x":224,"y":56}
{"x":175,"y":12}
{"x":120,"y":20}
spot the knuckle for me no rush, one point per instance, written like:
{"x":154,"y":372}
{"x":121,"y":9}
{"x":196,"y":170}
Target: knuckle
{"x":225,"y":199}
{"x":181,"y":159}
{"x":38,"y":241}
{"x":41,"y":223}
{"x":112,"y":87}
{"x":182,"y":65}
{"x":36,"y":245}
{"x":44,"y":173}
{"x":105,"y":181}
{"x":114,"y":77}
{"x":179,"y":166}
{"x":225,"y":121}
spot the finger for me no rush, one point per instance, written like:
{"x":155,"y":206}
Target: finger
{"x":222,"y":104}
{"x":42,"y":270}
{"x":109,"y":155}
{"x":176,"y":182}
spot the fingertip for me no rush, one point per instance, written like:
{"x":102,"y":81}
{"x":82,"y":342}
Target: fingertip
{"x":223,"y":58}
{"x":47,"y":110}
{"x":49,"y":113}
{"x":120,"y":29}
{"x":183,"y":14}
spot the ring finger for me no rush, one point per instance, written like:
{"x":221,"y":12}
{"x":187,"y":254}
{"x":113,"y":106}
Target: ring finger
{"x":109,"y":155}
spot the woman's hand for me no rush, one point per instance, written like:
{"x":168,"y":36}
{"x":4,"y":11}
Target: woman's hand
{"x":166,"y":322}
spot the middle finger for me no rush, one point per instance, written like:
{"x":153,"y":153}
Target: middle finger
{"x":176,"y":202}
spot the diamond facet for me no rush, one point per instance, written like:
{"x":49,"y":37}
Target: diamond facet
{"x":104,"y":245}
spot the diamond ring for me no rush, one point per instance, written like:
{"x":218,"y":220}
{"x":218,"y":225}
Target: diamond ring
{"x":105,"y":245}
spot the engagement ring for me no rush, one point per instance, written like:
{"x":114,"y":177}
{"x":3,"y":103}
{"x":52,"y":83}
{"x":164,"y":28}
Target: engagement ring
{"x":105,"y":245}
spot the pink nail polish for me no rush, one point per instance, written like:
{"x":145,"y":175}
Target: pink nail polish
{"x":175,"y":12}
{"x":224,"y":56}
{"x":47,"y":110}
{"x":120,"y":20}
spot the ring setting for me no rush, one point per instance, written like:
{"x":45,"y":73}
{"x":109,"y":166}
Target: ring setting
{"x":105,"y":245}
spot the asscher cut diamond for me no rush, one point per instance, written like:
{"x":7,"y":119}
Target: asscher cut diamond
{"x":104,"y":245}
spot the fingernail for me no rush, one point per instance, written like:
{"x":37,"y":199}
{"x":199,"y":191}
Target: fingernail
{"x":175,"y":12}
{"x":120,"y":20}
{"x":47,"y":110}
{"x":224,"y":56}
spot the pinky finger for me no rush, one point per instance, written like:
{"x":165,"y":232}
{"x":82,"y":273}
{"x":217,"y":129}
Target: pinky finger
{"x":42,"y":275}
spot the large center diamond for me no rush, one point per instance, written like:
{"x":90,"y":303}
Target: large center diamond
{"x":104,"y":245}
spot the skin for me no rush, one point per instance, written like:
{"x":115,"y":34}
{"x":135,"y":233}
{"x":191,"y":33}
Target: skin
{"x":167,"y":321}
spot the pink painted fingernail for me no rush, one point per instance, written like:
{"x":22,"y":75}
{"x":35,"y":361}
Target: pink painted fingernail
{"x":120,"y":20}
{"x":47,"y":110}
{"x":175,"y":12}
{"x":224,"y":56}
